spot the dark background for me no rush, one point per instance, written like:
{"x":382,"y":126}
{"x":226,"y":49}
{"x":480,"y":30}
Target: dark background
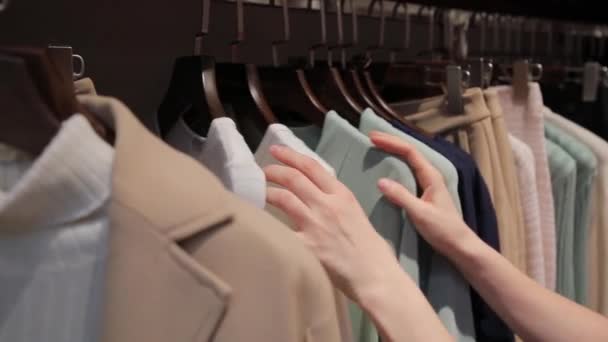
{"x":129,"y":46}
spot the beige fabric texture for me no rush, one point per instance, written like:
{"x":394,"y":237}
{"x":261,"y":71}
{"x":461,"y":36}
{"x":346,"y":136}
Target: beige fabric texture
{"x":188,"y":261}
{"x":474,"y":132}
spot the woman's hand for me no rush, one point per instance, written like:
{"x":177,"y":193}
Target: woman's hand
{"x":434,"y":214}
{"x":330,"y":221}
{"x":333,"y":225}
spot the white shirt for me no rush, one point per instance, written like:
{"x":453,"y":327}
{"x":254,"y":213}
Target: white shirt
{"x":225,"y":153}
{"x":53,"y":237}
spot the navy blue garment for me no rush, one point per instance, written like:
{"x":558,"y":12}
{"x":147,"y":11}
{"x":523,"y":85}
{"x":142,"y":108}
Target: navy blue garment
{"x":479,"y":214}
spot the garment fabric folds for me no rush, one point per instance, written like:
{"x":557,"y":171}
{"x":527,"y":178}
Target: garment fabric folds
{"x":172,"y":270}
{"x":525,"y":121}
{"x":449,"y":292}
{"x":586,"y":168}
{"x":526,"y":175}
{"x":359,"y":166}
{"x":473,"y":131}
{"x":563,"y":180}
{"x":53,"y":246}
{"x":224,"y":152}
{"x":597,"y":291}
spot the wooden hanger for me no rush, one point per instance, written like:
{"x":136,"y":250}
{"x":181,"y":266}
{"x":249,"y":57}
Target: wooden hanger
{"x":54,"y":91}
{"x":327,"y":82}
{"x":349,"y":71}
{"x":365,"y":68}
{"x":240,"y":87}
{"x":28,"y":123}
{"x":193,"y":92}
{"x":287,"y":89}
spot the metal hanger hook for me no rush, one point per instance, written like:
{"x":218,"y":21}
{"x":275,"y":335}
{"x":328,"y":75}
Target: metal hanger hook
{"x":286,"y":34}
{"x":198,"y":39}
{"x":240,"y":30}
{"x":380,"y":44}
{"x":323,"y":43}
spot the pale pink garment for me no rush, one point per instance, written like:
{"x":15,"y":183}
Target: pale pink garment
{"x":526,"y":177}
{"x":597,"y":297}
{"x":525,"y":121}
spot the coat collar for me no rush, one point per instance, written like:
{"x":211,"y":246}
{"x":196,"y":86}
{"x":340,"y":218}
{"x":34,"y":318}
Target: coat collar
{"x":155,"y":290}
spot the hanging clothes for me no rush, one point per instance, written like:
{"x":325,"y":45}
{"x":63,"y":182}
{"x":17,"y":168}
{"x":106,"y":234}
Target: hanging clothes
{"x":359,"y":166}
{"x":597,"y":292}
{"x":54,"y":237}
{"x":225,"y":153}
{"x":479,"y":215}
{"x":507,"y":161}
{"x":184,"y":252}
{"x":563,"y":181}
{"x":526,"y":175}
{"x":449,"y":295}
{"x":586,"y":169}
{"x":279,"y":134}
{"x":525,"y":122}
{"x":474,"y":133}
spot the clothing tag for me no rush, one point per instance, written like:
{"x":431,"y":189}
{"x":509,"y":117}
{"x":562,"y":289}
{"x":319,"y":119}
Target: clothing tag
{"x":591,"y":80}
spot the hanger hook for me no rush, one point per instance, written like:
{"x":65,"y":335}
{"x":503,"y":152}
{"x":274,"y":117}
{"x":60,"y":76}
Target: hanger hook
{"x":240,"y":30}
{"x":340,"y":42}
{"x":198,"y":39}
{"x":323,"y":43}
{"x":286,"y":34}
{"x":406,"y":33}
{"x":380,"y":44}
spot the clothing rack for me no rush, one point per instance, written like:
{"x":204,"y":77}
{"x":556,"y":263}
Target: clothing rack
{"x":139,"y":40}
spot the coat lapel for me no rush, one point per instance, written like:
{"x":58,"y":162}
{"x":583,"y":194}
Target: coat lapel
{"x":155,"y":291}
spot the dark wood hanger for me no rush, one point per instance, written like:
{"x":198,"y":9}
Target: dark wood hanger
{"x":290,"y":95}
{"x":327,"y":82}
{"x":350,"y":72}
{"x":28,"y":123}
{"x":192,"y":94}
{"x":55,"y":92}
{"x":286,"y":88}
{"x":193,"y":91}
{"x":240,"y":88}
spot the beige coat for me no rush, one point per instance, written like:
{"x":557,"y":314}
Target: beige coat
{"x":190,"y":262}
{"x":474,"y":132}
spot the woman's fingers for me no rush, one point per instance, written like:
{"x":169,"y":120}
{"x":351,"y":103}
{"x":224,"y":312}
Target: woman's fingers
{"x":400,"y":196}
{"x":308,"y":166}
{"x":289,"y":203}
{"x":294,"y":181}
{"x":425,"y":173}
